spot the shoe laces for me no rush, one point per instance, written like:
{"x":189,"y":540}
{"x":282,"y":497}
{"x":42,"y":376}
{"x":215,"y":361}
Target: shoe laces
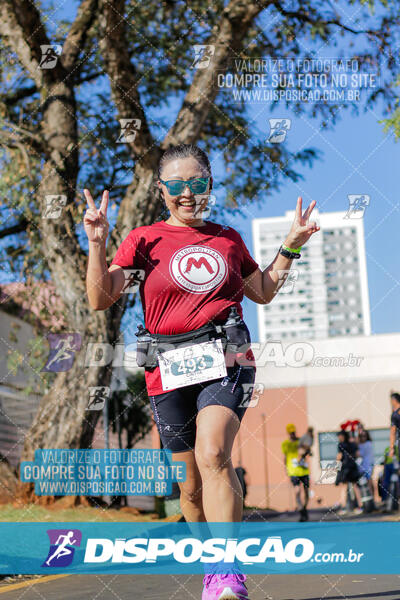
{"x":223,"y":577}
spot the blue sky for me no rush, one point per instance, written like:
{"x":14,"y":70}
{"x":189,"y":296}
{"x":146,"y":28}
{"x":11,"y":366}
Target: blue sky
{"x":358,"y":158}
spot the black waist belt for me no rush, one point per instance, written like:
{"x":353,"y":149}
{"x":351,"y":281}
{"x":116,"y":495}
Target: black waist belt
{"x":150,"y":345}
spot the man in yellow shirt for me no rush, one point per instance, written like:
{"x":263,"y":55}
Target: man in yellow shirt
{"x":298,"y":473}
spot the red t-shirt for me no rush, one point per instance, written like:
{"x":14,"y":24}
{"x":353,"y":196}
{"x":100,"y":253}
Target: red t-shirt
{"x":192,"y":275}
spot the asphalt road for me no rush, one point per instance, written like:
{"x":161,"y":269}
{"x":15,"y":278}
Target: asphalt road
{"x":189,"y":587}
{"x":319,"y":515}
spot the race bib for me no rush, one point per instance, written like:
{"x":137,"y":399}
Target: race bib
{"x":193,"y":364}
{"x":295,"y":462}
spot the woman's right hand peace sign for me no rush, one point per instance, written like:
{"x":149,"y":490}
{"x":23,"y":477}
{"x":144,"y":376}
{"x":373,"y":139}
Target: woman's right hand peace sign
{"x":95,"y":221}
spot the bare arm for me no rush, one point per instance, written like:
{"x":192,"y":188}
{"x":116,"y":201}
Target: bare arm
{"x":262,"y":286}
{"x":104,"y":285}
{"x":392,"y":440}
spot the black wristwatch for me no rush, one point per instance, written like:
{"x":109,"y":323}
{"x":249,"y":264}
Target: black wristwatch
{"x":289,"y":254}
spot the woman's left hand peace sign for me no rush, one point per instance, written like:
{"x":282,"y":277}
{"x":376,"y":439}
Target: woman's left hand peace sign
{"x":301,"y":229}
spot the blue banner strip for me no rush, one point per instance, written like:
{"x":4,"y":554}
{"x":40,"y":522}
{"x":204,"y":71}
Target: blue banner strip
{"x":142,"y":547}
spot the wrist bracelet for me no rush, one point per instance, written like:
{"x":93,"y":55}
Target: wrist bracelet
{"x":291,"y":249}
{"x":287,"y":253}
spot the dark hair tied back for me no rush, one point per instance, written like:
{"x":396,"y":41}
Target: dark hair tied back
{"x":185,"y":151}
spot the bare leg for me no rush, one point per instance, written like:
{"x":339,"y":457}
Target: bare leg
{"x":306,"y":496}
{"x":191,"y":489}
{"x":298,"y":497}
{"x":217,"y":427}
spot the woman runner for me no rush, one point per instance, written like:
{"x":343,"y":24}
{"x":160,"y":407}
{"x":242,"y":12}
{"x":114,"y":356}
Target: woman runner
{"x":195,"y":271}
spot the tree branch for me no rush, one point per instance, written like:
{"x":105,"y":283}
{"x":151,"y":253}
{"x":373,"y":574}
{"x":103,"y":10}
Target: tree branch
{"x":235,"y":21}
{"x":26,"y":92}
{"x":20,"y":94}
{"x":17,"y":228}
{"x":306,"y":18}
{"x":76,"y":38}
{"x":21,"y":25}
{"x":122,"y":75}
{"x":25,"y":133}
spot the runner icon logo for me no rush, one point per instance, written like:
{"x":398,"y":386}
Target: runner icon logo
{"x":198,"y":269}
{"x":63,"y":347}
{"x":62,"y":542}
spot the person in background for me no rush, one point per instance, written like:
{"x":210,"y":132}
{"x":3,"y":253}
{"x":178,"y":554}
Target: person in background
{"x":388,"y":469}
{"x":305,"y":443}
{"x":347,"y":453}
{"x":298,"y":474}
{"x":394,"y":423}
{"x":241,"y":472}
{"x":366,"y":453}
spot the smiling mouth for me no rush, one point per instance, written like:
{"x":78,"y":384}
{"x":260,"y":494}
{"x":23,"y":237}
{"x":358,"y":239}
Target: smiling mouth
{"x":187,"y":204}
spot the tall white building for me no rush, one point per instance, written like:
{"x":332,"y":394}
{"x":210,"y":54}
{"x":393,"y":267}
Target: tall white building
{"x":326,"y":294}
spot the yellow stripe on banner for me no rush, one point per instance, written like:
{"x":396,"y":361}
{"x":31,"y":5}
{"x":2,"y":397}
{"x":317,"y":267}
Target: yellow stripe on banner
{"x":17,"y":586}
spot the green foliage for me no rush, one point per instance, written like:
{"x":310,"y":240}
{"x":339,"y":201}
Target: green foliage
{"x":129,"y":410}
{"x":30,"y":364}
{"x":393,"y":123}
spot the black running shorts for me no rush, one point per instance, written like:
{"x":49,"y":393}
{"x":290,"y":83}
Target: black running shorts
{"x":175,"y":412}
{"x":304,"y":479}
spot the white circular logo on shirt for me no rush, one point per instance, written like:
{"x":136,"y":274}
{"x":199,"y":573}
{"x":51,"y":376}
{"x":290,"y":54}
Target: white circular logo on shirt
{"x":198,"y":269}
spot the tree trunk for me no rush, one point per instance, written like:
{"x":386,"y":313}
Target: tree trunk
{"x":62,"y":419}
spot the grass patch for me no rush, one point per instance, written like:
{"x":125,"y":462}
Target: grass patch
{"x":34,"y":513}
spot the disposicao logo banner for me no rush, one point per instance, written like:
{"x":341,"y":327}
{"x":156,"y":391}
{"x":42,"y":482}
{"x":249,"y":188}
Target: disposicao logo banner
{"x":308,"y":548}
